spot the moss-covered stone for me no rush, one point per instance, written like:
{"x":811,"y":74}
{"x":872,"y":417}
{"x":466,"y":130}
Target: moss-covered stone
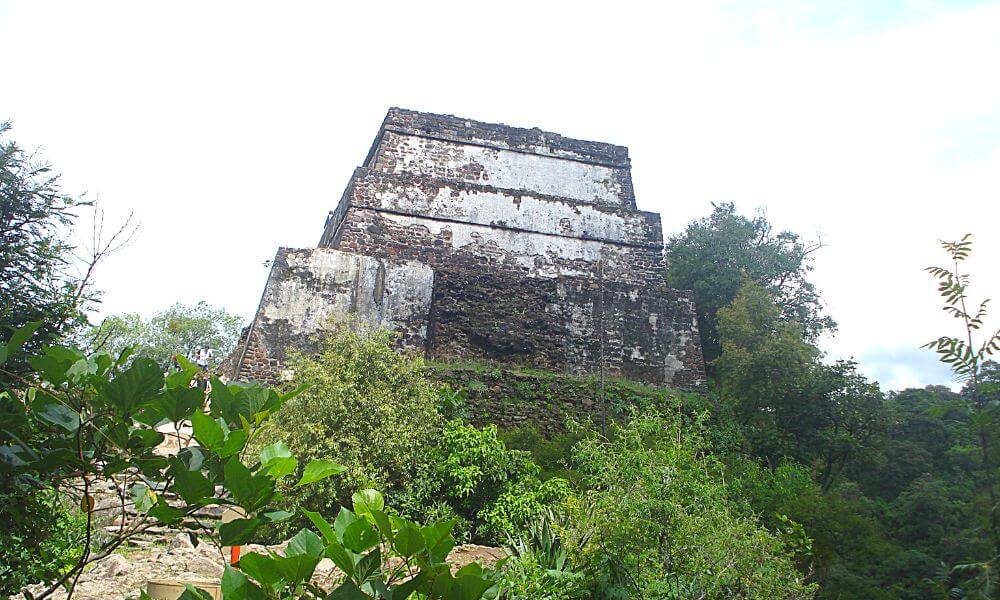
{"x":513,"y":397}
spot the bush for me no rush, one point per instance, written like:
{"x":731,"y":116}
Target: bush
{"x":90,"y":419}
{"x":492,"y":488}
{"x":540,"y":566}
{"x":656,"y":520}
{"x":551,"y":453}
{"x":39,"y":540}
{"x":367,"y":404}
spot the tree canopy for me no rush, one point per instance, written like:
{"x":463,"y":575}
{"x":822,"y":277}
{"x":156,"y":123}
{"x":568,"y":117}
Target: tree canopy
{"x":714,"y":255}
{"x":37,"y":282}
{"x":181,"y":329}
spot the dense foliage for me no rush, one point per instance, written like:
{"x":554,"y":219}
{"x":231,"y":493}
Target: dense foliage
{"x":79,"y":421}
{"x":393,"y":422}
{"x":474,"y":475}
{"x":714,"y":255}
{"x":659,"y":524}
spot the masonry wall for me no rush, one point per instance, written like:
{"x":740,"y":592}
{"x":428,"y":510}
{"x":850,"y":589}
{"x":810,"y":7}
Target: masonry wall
{"x":568,"y":325}
{"x":506,"y":169}
{"x":493,"y":206}
{"x":480,"y":241}
{"x":309,"y":288}
{"x":442,"y":243}
{"x":532,"y":140}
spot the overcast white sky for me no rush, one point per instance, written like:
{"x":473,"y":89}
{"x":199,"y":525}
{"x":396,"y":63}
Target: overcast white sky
{"x":231,"y":129}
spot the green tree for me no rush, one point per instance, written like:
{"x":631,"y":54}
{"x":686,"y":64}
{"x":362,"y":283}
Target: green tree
{"x":968,"y":354}
{"x":393,"y":424}
{"x":656,"y":520}
{"x":471,"y":473}
{"x":37,"y":281}
{"x":714,"y":255}
{"x":181,"y":329}
{"x":788,"y":403}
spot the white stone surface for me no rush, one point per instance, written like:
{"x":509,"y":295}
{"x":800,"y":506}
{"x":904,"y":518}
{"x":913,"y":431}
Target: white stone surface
{"x":518,"y":211}
{"x":323,"y":284}
{"x":505,"y":169}
{"x":542,"y":255}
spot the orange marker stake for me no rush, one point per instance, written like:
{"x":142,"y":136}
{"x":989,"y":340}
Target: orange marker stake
{"x":234,"y":555}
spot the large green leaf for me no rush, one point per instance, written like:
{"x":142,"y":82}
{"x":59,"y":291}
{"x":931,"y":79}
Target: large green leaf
{"x":180,"y":404}
{"x":250,"y":491}
{"x":144,"y":438}
{"x":405,"y":589}
{"x":366,"y":501}
{"x":261,"y":568}
{"x":234,"y":443}
{"x":51,"y":410}
{"x":166,"y":513}
{"x":208,"y":433}
{"x":275,"y":450}
{"x":282,"y":467}
{"x":192,"y":486}
{"x":305,"y":542}
{"x":360,"y":536}
{"x":344,"y":519}
{"x":142,"y":497}
{"x":275,"y":516}
{"x":369,"y":567}
{"x":321,"y":524}
{"x":342,"y":557}
{"x":192,"y":593}
{"x":409,"y":541}
{"x":298,"y":568}
{"x":137,"y":384}
{"x":348,"y":591}
{"x":239,"y":531}
{"x":54,"y":363}
{"x":236,"y":586}
{"x":223,"y":401}
{"x":383,"y":523}
{"x":18,"y":338}
{"x":278,"y":460}
{"x":439,"y":539}
{"x":468,"y":587}
{"x":317,"y":470}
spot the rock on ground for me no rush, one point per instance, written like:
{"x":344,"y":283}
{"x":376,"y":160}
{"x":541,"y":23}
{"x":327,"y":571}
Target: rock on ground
{"x":121,"y":576}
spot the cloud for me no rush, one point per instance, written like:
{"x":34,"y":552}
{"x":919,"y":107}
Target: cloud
{"x":897,"y":368}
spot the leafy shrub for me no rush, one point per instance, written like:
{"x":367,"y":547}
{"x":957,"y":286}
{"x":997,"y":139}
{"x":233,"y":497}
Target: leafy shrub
{"x":39,"y":540}
{"x":553,"y":453}
{"x":365,"y":403}
{"x":656,"y":521}
{"x":524,"y":578}
{"x":493,"y":488}
{"x":539,"y":566}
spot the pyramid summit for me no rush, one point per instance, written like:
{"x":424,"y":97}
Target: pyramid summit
{"x":479,"y":241}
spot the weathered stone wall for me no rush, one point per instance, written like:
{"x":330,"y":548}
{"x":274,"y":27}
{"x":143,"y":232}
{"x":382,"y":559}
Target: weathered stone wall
{"x":510,"y":245}
{"x":568,"y":325}
{"x":443,"y":243}
{"x":496,"y":135}
{"x":512,"y":397}
{"x":308,"y":288}
{"x":505,"y":169}
{"x":499,"y":207}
